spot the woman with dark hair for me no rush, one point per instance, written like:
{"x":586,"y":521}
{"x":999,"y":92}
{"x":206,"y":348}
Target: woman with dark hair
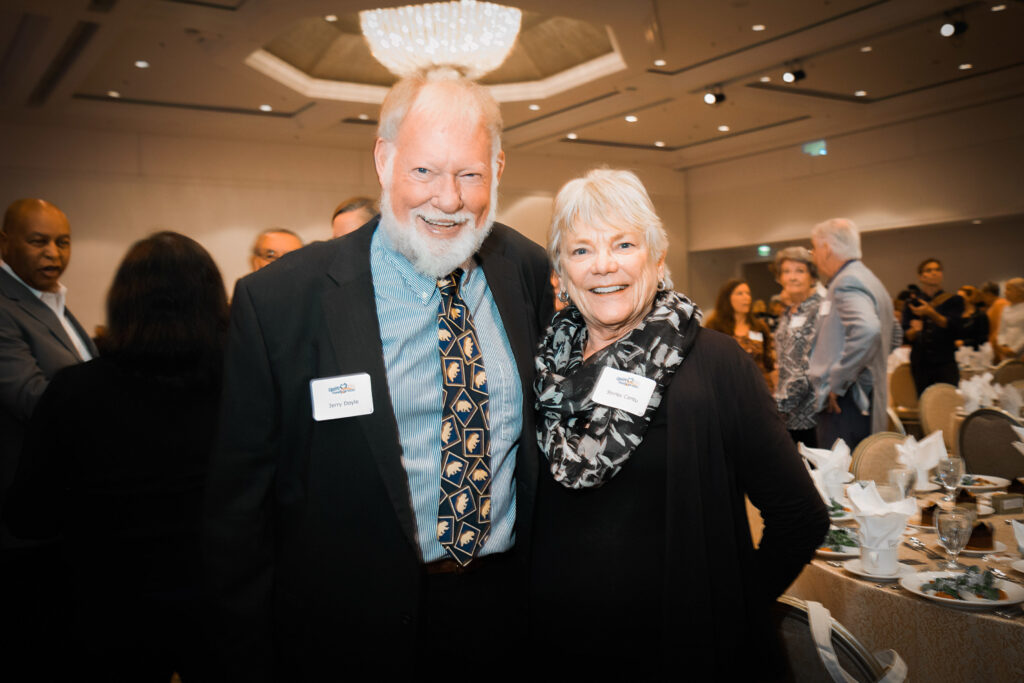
{"x":974,"y":328}
{"x":115,"y":458}
{"x":732,"y":317}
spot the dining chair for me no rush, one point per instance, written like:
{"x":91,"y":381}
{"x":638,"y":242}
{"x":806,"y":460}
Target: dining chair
{"x":895,"y":423}
{"x":805,"y":660}
{"x":875,"y":456}
{"x":903,"y":393}
{"x":938,"y":406}
{"x":1008,"y":371}
{"x":986,"y":444}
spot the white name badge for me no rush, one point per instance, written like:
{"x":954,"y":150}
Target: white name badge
{"x":825,"y":308}
{"x":797,"y":321}
{"x":623,"y":390}
{"x":756,"y":336}
{"x":341,"y":396}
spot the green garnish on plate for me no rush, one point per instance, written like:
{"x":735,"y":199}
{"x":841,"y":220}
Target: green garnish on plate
{"x":838,"y":539}
{"x":835,"y":509}
{"x":971,"y":581}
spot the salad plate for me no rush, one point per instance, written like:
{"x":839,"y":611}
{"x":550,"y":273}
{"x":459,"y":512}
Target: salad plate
{"x":917,"y":582}
{"x":983,"y":482}
{"x":838,"y":544}
{"x":857,"y":569}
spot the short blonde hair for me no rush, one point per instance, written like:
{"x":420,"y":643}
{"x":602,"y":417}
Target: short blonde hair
{"x":609,"y":196}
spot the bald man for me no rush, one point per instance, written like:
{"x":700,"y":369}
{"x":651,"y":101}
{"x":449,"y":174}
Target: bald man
{"x":38,"y":337}
{"x":271,"y":245}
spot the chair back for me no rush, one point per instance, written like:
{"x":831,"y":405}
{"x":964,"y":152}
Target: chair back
{"x":802,"y":651}
{"x":895,"y":423}
{"x":902,"y":392}
{"x":986,"y":444}
{"x":1008,"y":371}
{"x":938,"y":406}
{"x":875,"y":456}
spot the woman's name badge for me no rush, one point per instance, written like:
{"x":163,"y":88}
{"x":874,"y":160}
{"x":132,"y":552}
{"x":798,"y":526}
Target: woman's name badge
{"x":341,"y":396}
{"x":797,"y":321}
{"x":756,"y":336}
{"x":623,"y":390}
{"x":825,"y":308}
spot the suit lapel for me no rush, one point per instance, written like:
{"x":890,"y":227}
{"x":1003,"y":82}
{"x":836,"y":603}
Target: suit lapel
{"x":350,"y":312}
{"x":31,"y":304}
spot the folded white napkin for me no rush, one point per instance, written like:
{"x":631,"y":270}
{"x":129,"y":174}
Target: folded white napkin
{"x":832,"y":468}
{"x":881,"y":523}
{"x":1018,"y":533}
{"x":1009,"y":398}
{"x":921,"y":455}
{"x":978,"y":392}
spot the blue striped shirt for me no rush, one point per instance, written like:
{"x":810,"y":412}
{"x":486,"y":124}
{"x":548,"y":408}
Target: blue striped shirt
{"x":407,"y":305}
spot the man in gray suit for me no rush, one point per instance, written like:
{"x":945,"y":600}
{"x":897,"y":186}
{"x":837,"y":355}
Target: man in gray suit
{"x":848,"y":362}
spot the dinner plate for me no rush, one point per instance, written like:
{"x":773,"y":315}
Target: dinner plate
{"x":856,"y":568}
{"x":925,"y":487}
{"x":845,"y":551}
{"x":913,"y":583}
{"x":1018,"y":565}
{"x":998,"y":547}
{"x":996,"y":484}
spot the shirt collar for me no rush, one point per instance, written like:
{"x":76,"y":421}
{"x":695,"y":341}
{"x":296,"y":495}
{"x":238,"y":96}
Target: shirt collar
{"x":421,"y":286}
{"x":60,"y":296}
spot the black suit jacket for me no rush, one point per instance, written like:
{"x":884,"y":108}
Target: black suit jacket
{"x":311,"y":534}
{"x":33,"y":347}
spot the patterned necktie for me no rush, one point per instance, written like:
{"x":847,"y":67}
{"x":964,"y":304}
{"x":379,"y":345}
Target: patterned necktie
{"x":464,"y":512}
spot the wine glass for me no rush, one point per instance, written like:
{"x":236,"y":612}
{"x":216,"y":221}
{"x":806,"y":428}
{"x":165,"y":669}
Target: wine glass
{"x":950,"y":472}
{"x":954,"y":527}
{"x":904,"y":479}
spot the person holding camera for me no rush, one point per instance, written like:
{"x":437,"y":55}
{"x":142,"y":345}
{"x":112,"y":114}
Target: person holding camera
{"x":931,"y":323}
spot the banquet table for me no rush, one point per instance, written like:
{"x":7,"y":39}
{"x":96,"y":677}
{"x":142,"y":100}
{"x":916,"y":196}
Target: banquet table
{"x":937,"y":642}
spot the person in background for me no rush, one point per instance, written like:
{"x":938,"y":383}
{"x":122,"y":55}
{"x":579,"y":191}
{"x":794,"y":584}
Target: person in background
{"x":794,"y":338}
{"x":114,"y":463}
{"x":1010,"y":341}
{"x":931,"y":323}
{"x":38,"y":336}
{"x":974,"y":322}
{"x":994,"y":305}
{"x":643,"y":565}
{"x":732,"y":317}
{"x":352,"y":214}
{"x":776,"y":307}
{"x":847,"y":367}
{"x":272,"y":244}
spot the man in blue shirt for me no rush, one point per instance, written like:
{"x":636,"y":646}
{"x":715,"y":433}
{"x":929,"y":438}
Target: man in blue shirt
{"x":326,"y":545}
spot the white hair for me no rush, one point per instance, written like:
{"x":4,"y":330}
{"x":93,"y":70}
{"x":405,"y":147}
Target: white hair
{"x":609,"y":196}
{"x":841,"y":236}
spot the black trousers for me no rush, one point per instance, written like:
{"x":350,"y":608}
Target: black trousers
{"x":849,"y":424}
{"x":926,"y":374}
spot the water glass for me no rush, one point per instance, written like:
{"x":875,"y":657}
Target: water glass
{"x":954,"y":527}
{"x":950,"y":472}
{"x":904,"y":479}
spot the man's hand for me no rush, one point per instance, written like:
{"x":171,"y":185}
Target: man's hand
{"x":833,"y":403}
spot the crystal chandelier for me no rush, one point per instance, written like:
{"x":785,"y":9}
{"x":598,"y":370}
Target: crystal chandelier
{"x":475,"y":37}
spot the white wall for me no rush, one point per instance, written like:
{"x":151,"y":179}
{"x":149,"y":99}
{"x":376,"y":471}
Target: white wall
{"x":119,"y":187}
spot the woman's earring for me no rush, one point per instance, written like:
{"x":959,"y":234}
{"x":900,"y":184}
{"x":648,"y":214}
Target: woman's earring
{"x":563,"y":296}
{"x":661,"y":283}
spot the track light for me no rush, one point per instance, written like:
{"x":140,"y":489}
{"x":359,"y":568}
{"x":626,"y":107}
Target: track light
{"x":953,"y":28}
{"x":715,"y":96}
{"x":794,"y":75}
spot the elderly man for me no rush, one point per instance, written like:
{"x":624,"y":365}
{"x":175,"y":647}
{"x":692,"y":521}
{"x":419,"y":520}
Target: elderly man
{"x":352,"y":214}
{"x":272,"y":244}
{"x":38,"y":337}
{"x":372,"y":494}
{"x":848,"y":362}
{"x":1010,"y":338}
{"x":931,"y":322}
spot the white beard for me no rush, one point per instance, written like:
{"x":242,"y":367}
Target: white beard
{"x":435,"y":256}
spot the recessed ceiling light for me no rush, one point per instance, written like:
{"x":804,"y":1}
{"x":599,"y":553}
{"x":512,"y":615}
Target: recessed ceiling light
{"x":861,"y":93}
{"x":659,"y":143}
{"x":113,"y":93}
{"x":572,"y":136}
{"x":714,"y":97}
{"x":965,"y":66}
{"x":660,"y":62}
{"x":757,"y":27}
{"x":631,"y":119}
{"x":766,"y":79}
{"x":331,"y":17}
{"x":998,"y":8}
{"x":534,"y":107}
{"x":724,"y":128}
{"x":266,"y":107}
{"x":976,"y":221}
{"x":141,"y":64}
{"x":866,"y":48}
{"x":953,"y":28}
{"x":794,"y":76}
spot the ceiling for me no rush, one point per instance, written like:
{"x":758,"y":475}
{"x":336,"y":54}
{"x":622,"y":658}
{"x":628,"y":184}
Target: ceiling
{"x":62,"y":59}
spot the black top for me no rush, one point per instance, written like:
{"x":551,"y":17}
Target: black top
{"x":974,"y":329}
{"x":933,"y":344}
